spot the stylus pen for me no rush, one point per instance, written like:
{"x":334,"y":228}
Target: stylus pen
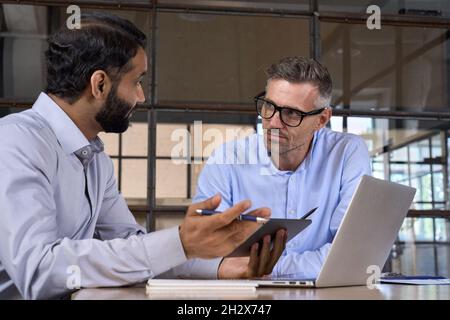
{"x":309,"y":213}
{"x":241,"y":217}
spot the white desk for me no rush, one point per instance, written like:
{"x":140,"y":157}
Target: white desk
{"x":381,"y":292}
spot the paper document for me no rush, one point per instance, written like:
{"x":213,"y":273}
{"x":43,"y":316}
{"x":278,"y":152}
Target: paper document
{"x":184,"y":284}
{"x":416,"y":280}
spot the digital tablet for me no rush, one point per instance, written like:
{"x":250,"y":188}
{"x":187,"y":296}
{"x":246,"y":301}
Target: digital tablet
{"x":293,"y":227}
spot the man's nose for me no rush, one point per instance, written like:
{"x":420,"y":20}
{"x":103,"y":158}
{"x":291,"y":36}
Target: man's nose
{"x":141,"y":96}
{"x":275,"y":121}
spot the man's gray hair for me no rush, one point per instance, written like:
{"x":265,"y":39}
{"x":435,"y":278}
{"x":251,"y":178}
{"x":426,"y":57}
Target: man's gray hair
{"x":302,"y":69}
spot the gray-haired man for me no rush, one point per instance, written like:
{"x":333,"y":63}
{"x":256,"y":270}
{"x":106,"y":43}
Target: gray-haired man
{"x":298,"y":164}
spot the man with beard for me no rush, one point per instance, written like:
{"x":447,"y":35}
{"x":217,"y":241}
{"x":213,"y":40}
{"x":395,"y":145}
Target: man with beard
{"x":297,"y":164}
{"x":63,"y":222}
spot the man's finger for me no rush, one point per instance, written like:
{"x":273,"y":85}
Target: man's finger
{"x":261,"y":212}
{"x":232,"y":235}
{"x":208,"y":204}
{"x":278,"y":248}
{"x":223,"y":219}
{"x":236,"y":232}
{"x":264,"y":256}
{"x":252,"y":268}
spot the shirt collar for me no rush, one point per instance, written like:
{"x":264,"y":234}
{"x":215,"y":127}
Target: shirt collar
{"x":67,"y":133}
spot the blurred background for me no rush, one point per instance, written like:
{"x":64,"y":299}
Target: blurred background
{"x":207,"y":62}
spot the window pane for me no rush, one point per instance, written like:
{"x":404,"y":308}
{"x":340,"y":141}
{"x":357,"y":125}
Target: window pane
{"x":442,"y":229}
{"x":363,"y":127}
{"x":146,"y":2}
{"x":406,"y":231}
{"x":171,"y":179}
{"x":418,"y":151}
{"x":403,"y":147}
{"x":196,"y":169}
{"x":436,"y":146}
{"x":24,"y":30}
{"x":134,"y":178}
{"x":214,"y":135}
{"x":423,"y":229}
{"x":420,"y":259}
{"x":254,"y":4}
{"x":396,"y":136}
{"x":424,"y":74}
{"x":378,"y":167}
{"x":172,"y":139}
{"x":399,"y":173}
{"x":196,"y":140}
{"x":416,"y":229}
{"x":189,"y":146}
{"x":447,"y":183}
{"x":134,"y":140}
{"x":336,"y":124}
{"x":438,"y":185}
{"x":111,"y":143}
{"x":219,"y":58}
{"x":428,"y":8}
{"x":421,"y":179}
{"x":399,"y":155}
{"x":395,"y":68}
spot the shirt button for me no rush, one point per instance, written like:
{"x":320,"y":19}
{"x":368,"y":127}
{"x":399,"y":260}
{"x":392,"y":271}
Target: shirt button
{"x":291,"y":211}
{"x":84,"y":152}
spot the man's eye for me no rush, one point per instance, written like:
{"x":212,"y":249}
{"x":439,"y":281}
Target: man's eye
{"x":290,"y":112}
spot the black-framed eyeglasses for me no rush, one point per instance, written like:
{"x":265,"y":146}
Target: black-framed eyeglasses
{"x":289,"y":116}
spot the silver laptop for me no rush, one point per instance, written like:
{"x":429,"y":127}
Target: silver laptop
{"x":366,"y":235}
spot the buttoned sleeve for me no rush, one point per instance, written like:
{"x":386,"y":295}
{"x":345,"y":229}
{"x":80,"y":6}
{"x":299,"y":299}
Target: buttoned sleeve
{"x":38,"y":260}
{"x":116,"y":221}
{"x":308,"y":264}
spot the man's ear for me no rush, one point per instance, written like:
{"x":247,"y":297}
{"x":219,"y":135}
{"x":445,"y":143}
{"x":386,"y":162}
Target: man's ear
{"x":324,"y":118}
{"x":100,"y":84}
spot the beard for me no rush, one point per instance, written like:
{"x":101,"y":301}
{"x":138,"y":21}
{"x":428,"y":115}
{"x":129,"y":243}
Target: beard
{"x":114,"y":116}
{"x":281,"y":147}
{"x":274,"y":146}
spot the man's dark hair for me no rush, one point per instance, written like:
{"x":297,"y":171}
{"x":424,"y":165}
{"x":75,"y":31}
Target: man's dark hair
{"x":301,"y":69}
{"x":104,"y":42}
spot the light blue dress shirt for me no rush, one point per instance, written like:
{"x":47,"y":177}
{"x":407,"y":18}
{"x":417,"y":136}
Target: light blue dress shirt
{"x":52,"y":223}
{"x":326,"y":179}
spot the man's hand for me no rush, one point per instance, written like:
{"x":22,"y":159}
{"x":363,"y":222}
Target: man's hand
{"x":260,"y":263}
{"x":217,"y":235}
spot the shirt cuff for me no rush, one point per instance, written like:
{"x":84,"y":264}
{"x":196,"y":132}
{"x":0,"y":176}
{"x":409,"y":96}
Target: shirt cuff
{"x":164,"y":250}
{"x":205,"y":269}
